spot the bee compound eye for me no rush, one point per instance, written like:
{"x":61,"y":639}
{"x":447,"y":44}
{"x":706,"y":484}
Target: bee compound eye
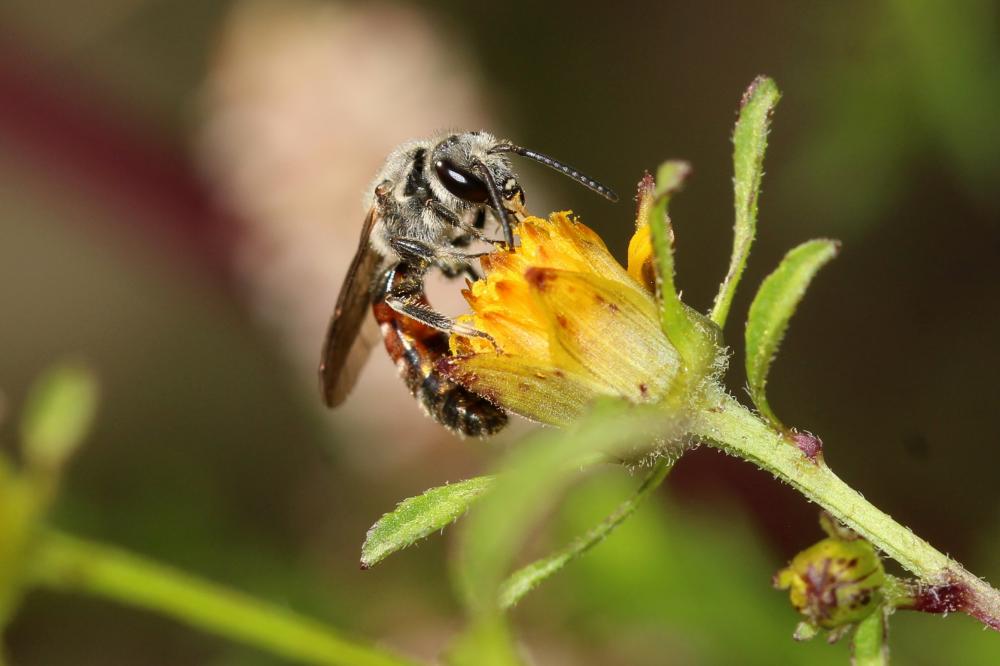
{"x":461,"y":182}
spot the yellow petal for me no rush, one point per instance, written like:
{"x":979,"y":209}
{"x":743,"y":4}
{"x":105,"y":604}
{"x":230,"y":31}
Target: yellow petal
{"x":503,"y":306}
{"x":640,"y":258}
{"x":572,"y":325}
{"x":581,"y":242}
{"x":537,"y":391}
{"x":640,"y":247}
{"x":610,"y":328}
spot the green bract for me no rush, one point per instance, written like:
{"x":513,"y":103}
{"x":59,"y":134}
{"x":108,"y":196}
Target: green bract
{"x":417,"y":517}
{"x":776,"y":301}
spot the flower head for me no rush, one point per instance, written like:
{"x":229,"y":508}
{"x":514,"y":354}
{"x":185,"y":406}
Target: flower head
{"x":835,"y":582}
{"x":569,"y":323}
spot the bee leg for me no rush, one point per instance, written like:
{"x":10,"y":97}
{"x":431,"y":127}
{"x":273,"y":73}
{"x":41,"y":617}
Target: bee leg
{"x":452,"y":272}
{"x":407,"y":296}
{"x":414,"y":310}
{"x":452,"y":269}
{"x":472,"y":273}
{"x":480,"y":222}
{"x":452,"y":263}
{"x":444,"y":258}
{"x":471,"y":231}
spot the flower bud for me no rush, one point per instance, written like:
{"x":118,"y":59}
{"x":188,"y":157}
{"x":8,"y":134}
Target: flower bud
{"x":835,"y":582}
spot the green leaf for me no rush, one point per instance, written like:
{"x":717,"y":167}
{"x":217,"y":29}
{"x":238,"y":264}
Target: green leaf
{"x":772,"y":307}
{"x":487,"y":642}
{"x":749,"y":144}
{"x":529,"y":577}
{"x":21,"y":508}
{"x":695,"y":338}
{"x":530,"y":480}
{"x":869,"y":646}
{"x":58,"y":415}
{"x":70,"y":564}
{"x":417,"y":517}
{"x":59,"y":411}
{"x":683,"y":566}
{"x":669,"y":178}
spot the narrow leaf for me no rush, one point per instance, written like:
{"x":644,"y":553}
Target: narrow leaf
{"x":487,"y":642}
{"x":68,"y":564}
{"x":869,"y":646}
{"x":669,"y":178}
{"x":693,"y":335}
{"x":749,"y":144}
{"x":529,"y":577}
{"x":532,"y":477}
{"x":58,"y":415}
{"x":417,"y":517}
{"x":775,"y":303}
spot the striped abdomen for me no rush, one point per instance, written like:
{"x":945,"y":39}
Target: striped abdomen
{"x":416,"y":348}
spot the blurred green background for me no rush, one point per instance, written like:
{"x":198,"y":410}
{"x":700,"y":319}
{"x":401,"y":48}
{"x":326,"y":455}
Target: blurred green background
{"x":180,"y":189}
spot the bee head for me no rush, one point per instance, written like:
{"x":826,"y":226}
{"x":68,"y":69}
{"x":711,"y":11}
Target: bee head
{"x":467,"y":170}
{"x":473,"y":168}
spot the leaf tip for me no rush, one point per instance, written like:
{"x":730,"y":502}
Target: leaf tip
{"x":644,"y":191}
{"x":670,"y":177}
{"x":761,"y":86}
{"x":61,"y":409}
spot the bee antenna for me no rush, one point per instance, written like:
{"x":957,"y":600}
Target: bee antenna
{"x":561,"y":167}
{"x":495,"y":201}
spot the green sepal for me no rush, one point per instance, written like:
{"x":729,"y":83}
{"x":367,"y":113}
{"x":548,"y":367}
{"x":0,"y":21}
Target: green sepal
{"x":696,"y":338}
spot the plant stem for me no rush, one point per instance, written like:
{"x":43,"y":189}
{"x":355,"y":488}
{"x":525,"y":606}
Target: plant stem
{"x":731,"y":427}
{"x":67,"y":563}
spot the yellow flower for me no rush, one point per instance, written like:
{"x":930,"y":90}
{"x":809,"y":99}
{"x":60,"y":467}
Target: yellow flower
{"x":569,"y":323}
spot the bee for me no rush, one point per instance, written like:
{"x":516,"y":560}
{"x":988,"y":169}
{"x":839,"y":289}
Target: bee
{"x":431,"y":200}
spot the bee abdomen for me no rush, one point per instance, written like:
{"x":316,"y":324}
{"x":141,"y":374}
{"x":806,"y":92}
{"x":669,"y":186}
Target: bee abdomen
{"x":415,"y":349}
{"x":459,"y":409}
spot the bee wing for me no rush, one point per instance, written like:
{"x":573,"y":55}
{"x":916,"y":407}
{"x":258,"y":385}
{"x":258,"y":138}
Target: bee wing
{"x":347,"y":344}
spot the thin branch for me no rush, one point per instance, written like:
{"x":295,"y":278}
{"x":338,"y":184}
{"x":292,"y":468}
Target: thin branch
{"x":68,"y":563}
{"x":530,"y":576}
{"x":732,"y":428}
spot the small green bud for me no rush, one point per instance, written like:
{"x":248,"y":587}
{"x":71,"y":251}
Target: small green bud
{"x":835,"y":582}
{"x":59,"y":412}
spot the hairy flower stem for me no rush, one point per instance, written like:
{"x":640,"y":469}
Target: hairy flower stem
{"x":732,"y":428}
